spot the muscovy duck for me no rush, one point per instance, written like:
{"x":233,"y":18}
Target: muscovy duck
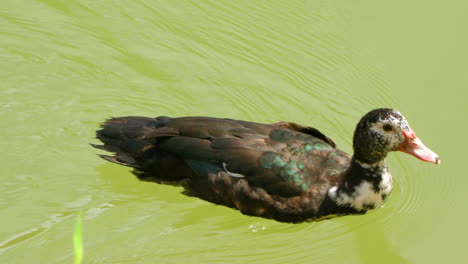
{"x":283,"y":171}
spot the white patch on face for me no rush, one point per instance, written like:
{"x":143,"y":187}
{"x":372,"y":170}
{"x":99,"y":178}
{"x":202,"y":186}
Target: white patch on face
{"x":232,"y":174}
{"x":394,"y":137}
{"x":364,"y":194}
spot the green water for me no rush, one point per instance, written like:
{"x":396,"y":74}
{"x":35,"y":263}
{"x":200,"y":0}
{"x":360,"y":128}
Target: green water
{"x":66,"y":65}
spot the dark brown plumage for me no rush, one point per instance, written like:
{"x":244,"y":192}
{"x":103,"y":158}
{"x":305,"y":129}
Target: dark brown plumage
{"x":282,"y":171}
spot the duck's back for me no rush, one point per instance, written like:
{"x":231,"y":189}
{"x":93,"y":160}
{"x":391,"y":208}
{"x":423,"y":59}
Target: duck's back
{"x":281,"y":171}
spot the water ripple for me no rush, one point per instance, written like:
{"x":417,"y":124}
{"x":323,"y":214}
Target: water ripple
{"x":77,"y":63}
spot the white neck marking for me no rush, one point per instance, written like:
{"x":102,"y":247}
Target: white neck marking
{"x":365,"y":196}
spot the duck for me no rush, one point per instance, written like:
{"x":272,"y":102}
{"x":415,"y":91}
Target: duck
{"x":282,"y":171}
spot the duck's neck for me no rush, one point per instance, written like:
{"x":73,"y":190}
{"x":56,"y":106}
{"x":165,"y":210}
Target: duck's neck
{"x":365,"y":186}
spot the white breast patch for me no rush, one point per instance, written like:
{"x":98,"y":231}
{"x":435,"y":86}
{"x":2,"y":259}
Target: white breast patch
{"x":364,"y":196}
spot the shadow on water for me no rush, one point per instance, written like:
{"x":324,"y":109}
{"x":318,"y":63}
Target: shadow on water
{"x":382,"y":251}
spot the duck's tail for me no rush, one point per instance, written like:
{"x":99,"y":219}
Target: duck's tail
{"x":134,"y":142}
{"x":125,"y":136}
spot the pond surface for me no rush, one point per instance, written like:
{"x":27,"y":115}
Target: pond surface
{"x":68,"y":65}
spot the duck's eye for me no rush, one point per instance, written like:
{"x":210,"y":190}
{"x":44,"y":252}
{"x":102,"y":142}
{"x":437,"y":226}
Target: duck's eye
{"x":387,"y":127}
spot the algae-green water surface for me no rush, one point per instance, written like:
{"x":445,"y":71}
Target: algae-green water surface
{"x":66,"y":65}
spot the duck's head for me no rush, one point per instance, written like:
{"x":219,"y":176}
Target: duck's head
{"x":383,"y":130}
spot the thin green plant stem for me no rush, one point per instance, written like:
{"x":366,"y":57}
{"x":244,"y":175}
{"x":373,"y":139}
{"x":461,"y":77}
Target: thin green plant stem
{"x":78,"y":239}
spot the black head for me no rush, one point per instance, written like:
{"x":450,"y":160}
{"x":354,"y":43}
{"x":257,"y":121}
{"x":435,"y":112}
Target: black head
{"x":378,"y":132}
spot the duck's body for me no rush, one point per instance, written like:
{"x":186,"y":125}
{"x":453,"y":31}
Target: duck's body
{"x":282,"y":171}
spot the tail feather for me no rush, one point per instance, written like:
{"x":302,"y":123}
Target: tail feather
{"x":125,"y":136}
{"x":118,"y":160}
{"x":98,"y":146}
{"x":134,"y":142}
